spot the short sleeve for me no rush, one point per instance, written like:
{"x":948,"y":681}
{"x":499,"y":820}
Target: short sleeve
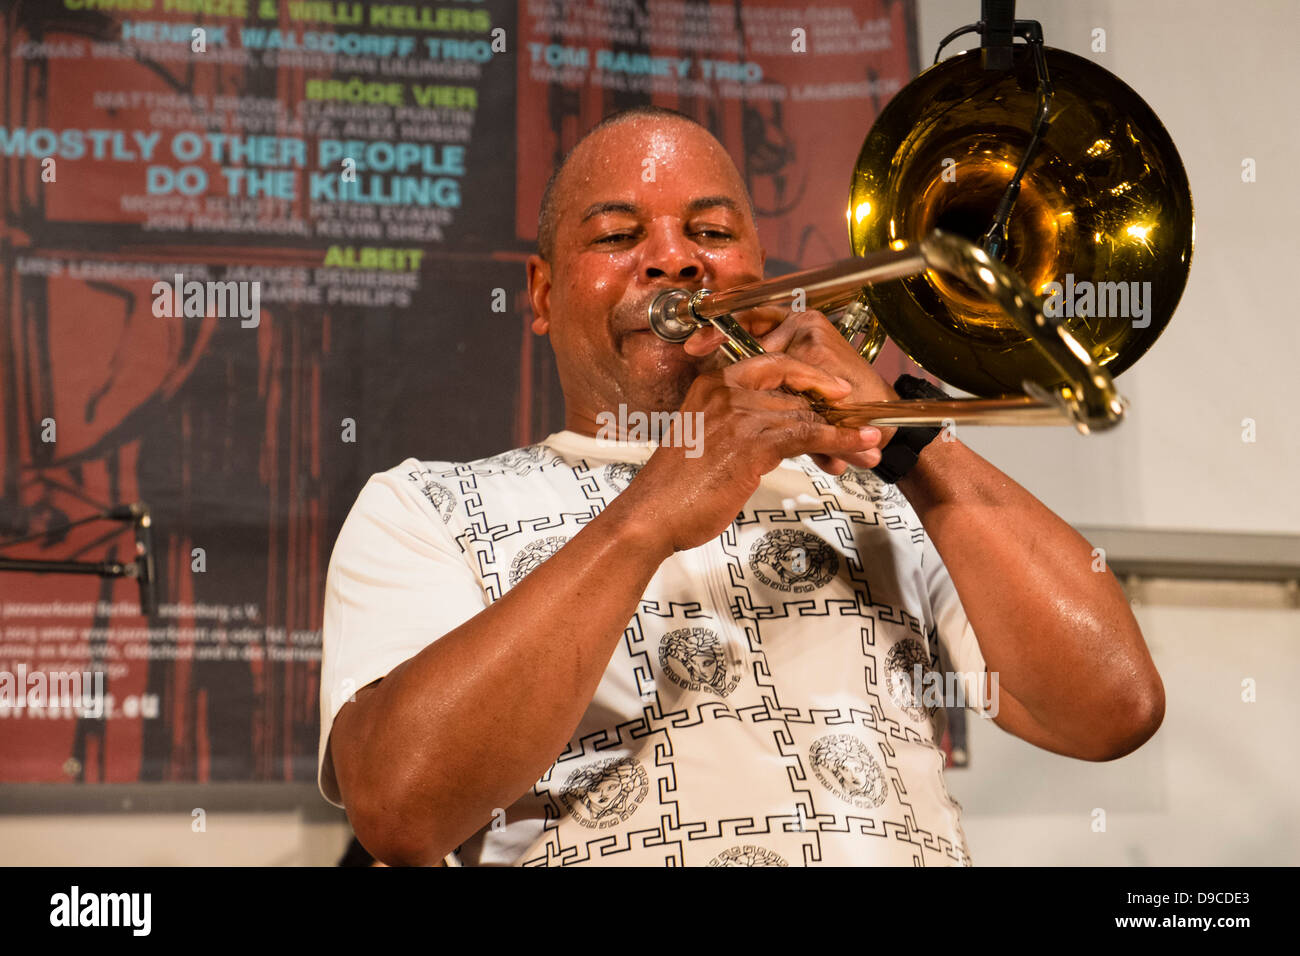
{"x":959,"y":650}
{"x":397,"y":582}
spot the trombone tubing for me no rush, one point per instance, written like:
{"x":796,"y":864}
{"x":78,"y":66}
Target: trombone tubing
{"x":819,"y":285}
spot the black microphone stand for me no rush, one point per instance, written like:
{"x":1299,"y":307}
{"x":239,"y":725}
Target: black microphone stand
{"x":141,"y":569}
{"x":998,"y":28}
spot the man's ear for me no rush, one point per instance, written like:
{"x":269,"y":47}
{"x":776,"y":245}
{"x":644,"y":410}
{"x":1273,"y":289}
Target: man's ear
{"x":539,"y":293}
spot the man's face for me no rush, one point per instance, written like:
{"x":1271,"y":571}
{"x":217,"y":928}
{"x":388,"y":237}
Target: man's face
{"x":644,"y":205}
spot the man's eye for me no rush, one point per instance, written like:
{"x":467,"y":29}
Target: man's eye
{"x":713,"y":233}
{"x":615,"y":237}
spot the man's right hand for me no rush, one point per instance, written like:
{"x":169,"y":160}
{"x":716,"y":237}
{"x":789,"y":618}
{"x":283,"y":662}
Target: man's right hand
{"x":747,"y":427}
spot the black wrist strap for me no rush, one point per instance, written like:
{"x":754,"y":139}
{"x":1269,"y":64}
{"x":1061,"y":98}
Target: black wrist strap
{"x":904,"y":449}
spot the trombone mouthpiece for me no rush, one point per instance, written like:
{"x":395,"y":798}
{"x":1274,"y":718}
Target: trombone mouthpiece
{"x":670,"y":315}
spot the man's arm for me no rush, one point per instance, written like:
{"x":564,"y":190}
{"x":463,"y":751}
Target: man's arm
{"x":1074,"y":674}
{"x":473,"y":720}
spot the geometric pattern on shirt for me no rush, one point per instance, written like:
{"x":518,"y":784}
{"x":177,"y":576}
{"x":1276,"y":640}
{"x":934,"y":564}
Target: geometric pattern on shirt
{"x":814,"y":810}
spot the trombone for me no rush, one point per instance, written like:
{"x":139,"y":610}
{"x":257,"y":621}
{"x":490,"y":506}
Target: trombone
{"x":975,"y":194}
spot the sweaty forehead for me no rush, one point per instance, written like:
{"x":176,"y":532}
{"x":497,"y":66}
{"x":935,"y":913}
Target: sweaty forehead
{"x":686,"y":160}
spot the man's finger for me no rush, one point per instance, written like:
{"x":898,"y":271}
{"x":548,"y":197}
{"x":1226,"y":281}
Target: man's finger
{"x":704,"y":341}
{"x":832,"y":466}
{"x":794,"y":438}
{"x":797,"y":325}
{"x":758,"y":322}
{"x":762,"y":320}
{"x":775,"y":370}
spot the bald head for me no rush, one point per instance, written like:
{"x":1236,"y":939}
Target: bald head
{"x":648,"y":200}
{"x":585,"y":154}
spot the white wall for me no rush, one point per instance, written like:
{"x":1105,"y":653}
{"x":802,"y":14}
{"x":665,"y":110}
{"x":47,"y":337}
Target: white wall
{"x":167,"y":839}
{"x":1225,"y":91}
{"x":1215,"y":786}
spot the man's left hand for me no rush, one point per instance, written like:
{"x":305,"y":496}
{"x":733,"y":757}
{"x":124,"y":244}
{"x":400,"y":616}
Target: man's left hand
{"x":810,"y":337}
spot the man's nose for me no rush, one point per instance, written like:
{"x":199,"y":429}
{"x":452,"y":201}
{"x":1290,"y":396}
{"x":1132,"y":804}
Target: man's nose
{"x":669,"y":254}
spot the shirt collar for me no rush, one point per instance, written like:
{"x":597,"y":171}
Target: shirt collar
{"x":573,"y":444}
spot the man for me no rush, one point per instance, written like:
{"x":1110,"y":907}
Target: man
{"x":502,"y":638}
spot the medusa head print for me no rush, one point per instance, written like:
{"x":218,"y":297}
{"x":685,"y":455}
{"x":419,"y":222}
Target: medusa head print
{"x":605,"y":793}
{"x":438,"y":494}
{"x":620,"y":474}
{"x":793,"y":560}
{"x":748,"y":855}
{"x":517,"y":461}
{"x":531,"y":556}
{"x":695,"y":658}
{"x":906,"y":666}
{"x":846,"y":768}
{"x":863,"y":483}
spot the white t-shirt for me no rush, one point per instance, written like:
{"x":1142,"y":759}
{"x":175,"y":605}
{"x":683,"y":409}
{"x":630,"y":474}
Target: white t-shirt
{"x":761,"y":708}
